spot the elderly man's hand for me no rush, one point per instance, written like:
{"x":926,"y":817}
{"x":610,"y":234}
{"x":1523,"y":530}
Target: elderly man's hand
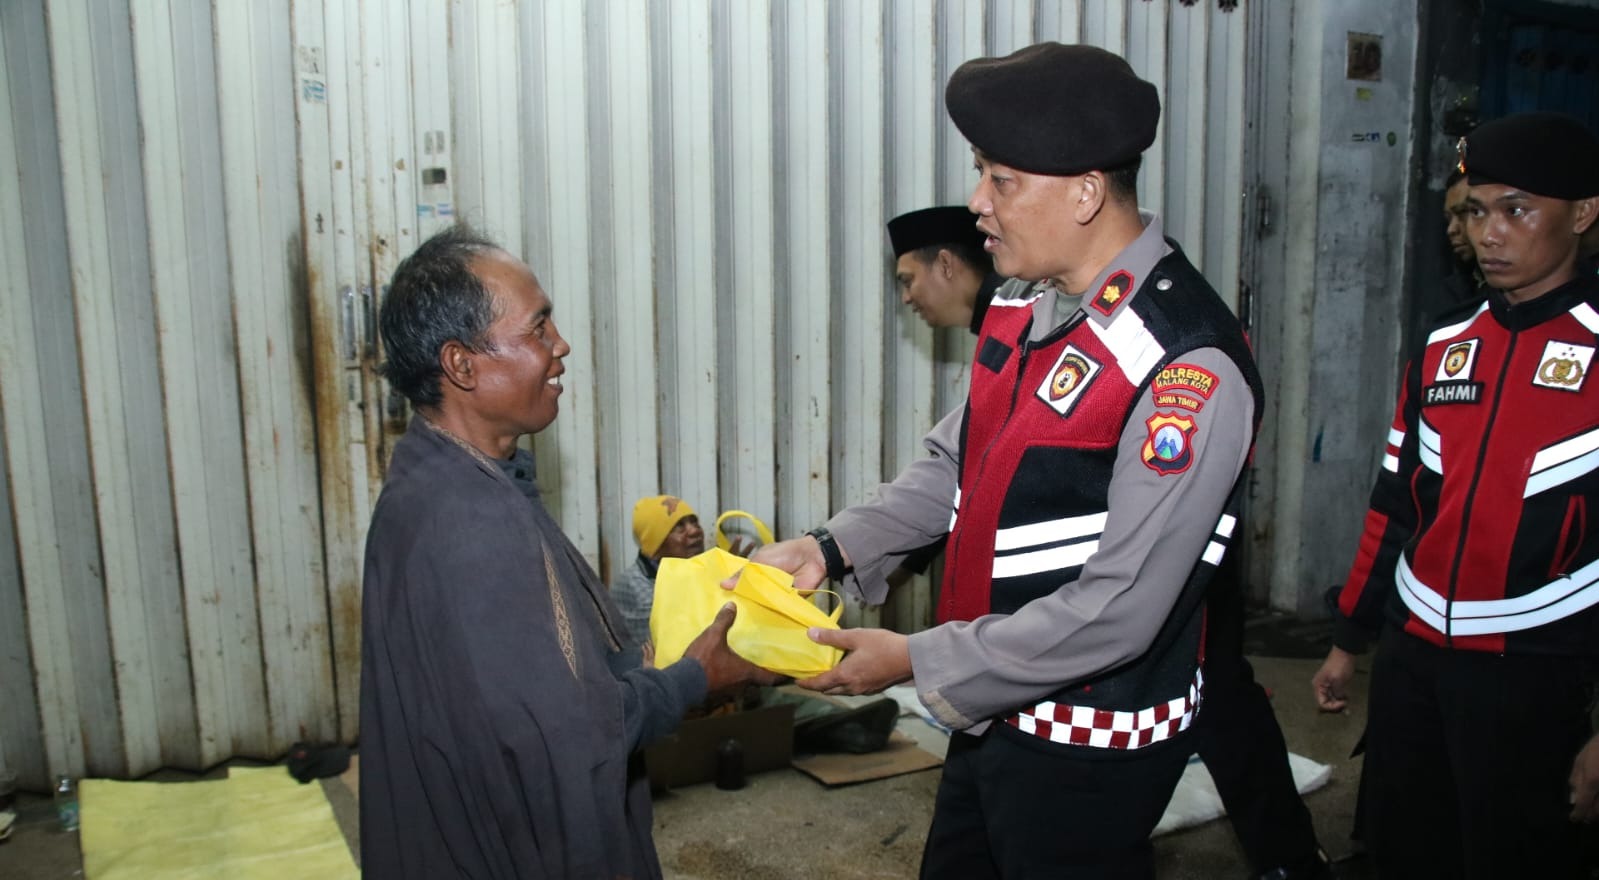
{"x":725,"y":671}
{"x":877,"y":659}
{"x":800,"y":557}
{"x":1585,"y":783}
{"x":1331,"y":682}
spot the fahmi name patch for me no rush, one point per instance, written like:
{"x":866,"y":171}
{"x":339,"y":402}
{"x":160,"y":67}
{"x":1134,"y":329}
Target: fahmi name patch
{"x":1183,"y":385}
{"x":1068,"y":379}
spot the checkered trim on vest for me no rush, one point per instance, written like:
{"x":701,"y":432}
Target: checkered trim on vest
{"x":1107,"y":729}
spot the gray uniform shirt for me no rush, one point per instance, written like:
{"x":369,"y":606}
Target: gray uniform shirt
{"x":969,"y":672}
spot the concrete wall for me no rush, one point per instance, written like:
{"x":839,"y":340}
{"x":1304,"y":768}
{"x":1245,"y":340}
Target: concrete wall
{"x":1331,"y":261}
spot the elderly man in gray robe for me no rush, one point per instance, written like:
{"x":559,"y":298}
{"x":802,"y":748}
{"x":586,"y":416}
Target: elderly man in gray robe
{"x":502,"y":705}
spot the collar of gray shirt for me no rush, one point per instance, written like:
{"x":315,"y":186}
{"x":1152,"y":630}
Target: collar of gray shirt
{"x":1136,"y":259}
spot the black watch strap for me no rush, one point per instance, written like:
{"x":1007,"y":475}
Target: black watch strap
{"x":836,"y":569}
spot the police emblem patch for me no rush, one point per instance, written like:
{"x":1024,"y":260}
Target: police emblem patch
{"x":1459,"y":359}
{"x":1067,"y":380}
{"x":1169,"y":448}
{"x":1115,"y":289}
{"x":1182,"y":385}
{"x":1564,"y":365}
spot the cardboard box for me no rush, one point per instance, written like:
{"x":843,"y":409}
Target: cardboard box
{"x":689,"y":756}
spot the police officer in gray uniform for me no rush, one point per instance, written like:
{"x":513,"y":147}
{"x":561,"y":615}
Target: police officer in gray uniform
{"x":1088,"y":489}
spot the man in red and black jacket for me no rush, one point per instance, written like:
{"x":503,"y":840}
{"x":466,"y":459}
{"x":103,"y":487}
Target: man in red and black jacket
{"x":1480,"y":558}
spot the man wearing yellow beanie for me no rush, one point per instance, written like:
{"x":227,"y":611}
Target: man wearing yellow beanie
{"x":664,"y":526}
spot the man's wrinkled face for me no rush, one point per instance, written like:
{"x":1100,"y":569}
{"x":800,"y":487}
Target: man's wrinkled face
{"x":1027,"y":218}
{"x":1455,"y":216}
{"x":932,"y":291}
{"x":1525,"y":244}
{"x":519,"y":373}
{"x":686,"y":539}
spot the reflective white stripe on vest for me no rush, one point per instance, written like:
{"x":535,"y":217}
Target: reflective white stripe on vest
{"x":1050,"y":532}
{"x":1563,"y":462}
{"x":1033,"y":293}
{"x":1443,"y":333}
{"x":1557,"y":599}
{"x":1215,"y":550}
{"x":1069,"y":556}
{"x":1396,"y":438}
{"x":1134,"y":348}
{"x":1586,"y":316}
{"x":1430,"y":447}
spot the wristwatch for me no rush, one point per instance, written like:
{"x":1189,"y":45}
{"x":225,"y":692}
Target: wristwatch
{"x":836,"y":569}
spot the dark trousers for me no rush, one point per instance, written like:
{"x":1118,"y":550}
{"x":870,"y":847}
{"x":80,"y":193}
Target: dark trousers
{"x":1013,"y":808}
{"x":1467,"y":760}
{"x":1237,"y":736}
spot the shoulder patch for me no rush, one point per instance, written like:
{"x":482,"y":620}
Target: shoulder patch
{"x":1115,"y":290}
{"x":1183,"y":385}
{"x":1068,"y":379}
{"x":1169,"y":449}
{"x":1564,"y":365}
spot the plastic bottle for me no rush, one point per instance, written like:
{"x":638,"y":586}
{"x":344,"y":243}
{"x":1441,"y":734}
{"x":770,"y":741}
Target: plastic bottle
{"x":730,"y":765}
{"x":67,"y":803}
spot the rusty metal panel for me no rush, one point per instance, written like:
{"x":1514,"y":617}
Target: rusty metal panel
{"x":110,"y":263}
{"x":267,"y":289}
{"x":52,"y":499}
{"x":188,"y":261}
{"x":201,"y":204}
{"x":806,"y":252}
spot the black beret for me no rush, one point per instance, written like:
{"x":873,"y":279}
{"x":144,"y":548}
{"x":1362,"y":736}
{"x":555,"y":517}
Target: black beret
{"x":933,"y":226}
{"x":1054,"y":109}
{"x":1545,"y":154}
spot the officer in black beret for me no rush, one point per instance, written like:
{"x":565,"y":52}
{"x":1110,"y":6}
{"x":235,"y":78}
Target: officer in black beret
{"x":941,"y":268}
{"x":1087,"y":488}
{"x":1480,"y":564}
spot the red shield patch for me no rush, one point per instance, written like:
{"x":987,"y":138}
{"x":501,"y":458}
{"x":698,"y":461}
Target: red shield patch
{"x":1169,"y":449}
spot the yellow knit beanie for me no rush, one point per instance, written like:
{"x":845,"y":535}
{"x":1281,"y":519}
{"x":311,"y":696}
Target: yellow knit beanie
{"x":653,"y":519}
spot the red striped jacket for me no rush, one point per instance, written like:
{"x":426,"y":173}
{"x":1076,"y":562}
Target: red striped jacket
{"x":1482,"y":533}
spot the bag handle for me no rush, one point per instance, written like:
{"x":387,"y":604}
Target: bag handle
{"x":761,"y":531}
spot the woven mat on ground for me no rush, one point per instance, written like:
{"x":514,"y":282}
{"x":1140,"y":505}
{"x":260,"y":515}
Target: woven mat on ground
{"x":257,"y":823}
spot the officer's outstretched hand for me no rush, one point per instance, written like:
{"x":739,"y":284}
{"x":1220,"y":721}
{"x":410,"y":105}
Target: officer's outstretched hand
{"x":876,"y":659}
{"x":1331,"y":681}
{"x":800,"y":557}
{"x":1585,"y":783}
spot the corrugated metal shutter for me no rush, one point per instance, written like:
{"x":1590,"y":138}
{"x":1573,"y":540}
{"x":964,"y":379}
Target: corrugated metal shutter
{"x":199,"y":206}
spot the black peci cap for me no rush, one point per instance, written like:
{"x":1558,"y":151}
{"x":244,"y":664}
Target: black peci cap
{"x":1545,"y":154}
{"x":1054,"y":109}
{"x":933,"y":226}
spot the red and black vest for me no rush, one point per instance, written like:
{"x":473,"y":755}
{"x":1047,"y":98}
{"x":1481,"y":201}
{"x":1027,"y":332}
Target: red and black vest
{"x":1038,"y":445}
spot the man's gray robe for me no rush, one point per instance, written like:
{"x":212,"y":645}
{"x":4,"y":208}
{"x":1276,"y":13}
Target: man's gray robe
{"x":501,"y":709}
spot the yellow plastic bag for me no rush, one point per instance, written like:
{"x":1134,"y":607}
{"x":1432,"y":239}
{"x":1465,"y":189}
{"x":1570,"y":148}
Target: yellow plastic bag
{"x":761,"y":531}
{"x":772,"y":616}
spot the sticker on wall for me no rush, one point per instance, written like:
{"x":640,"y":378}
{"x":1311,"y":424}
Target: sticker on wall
{"x":1363,"y":60}
{"x":313,"y":91}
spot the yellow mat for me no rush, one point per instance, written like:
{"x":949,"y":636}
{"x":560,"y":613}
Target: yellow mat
{"x":257,"y":823}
